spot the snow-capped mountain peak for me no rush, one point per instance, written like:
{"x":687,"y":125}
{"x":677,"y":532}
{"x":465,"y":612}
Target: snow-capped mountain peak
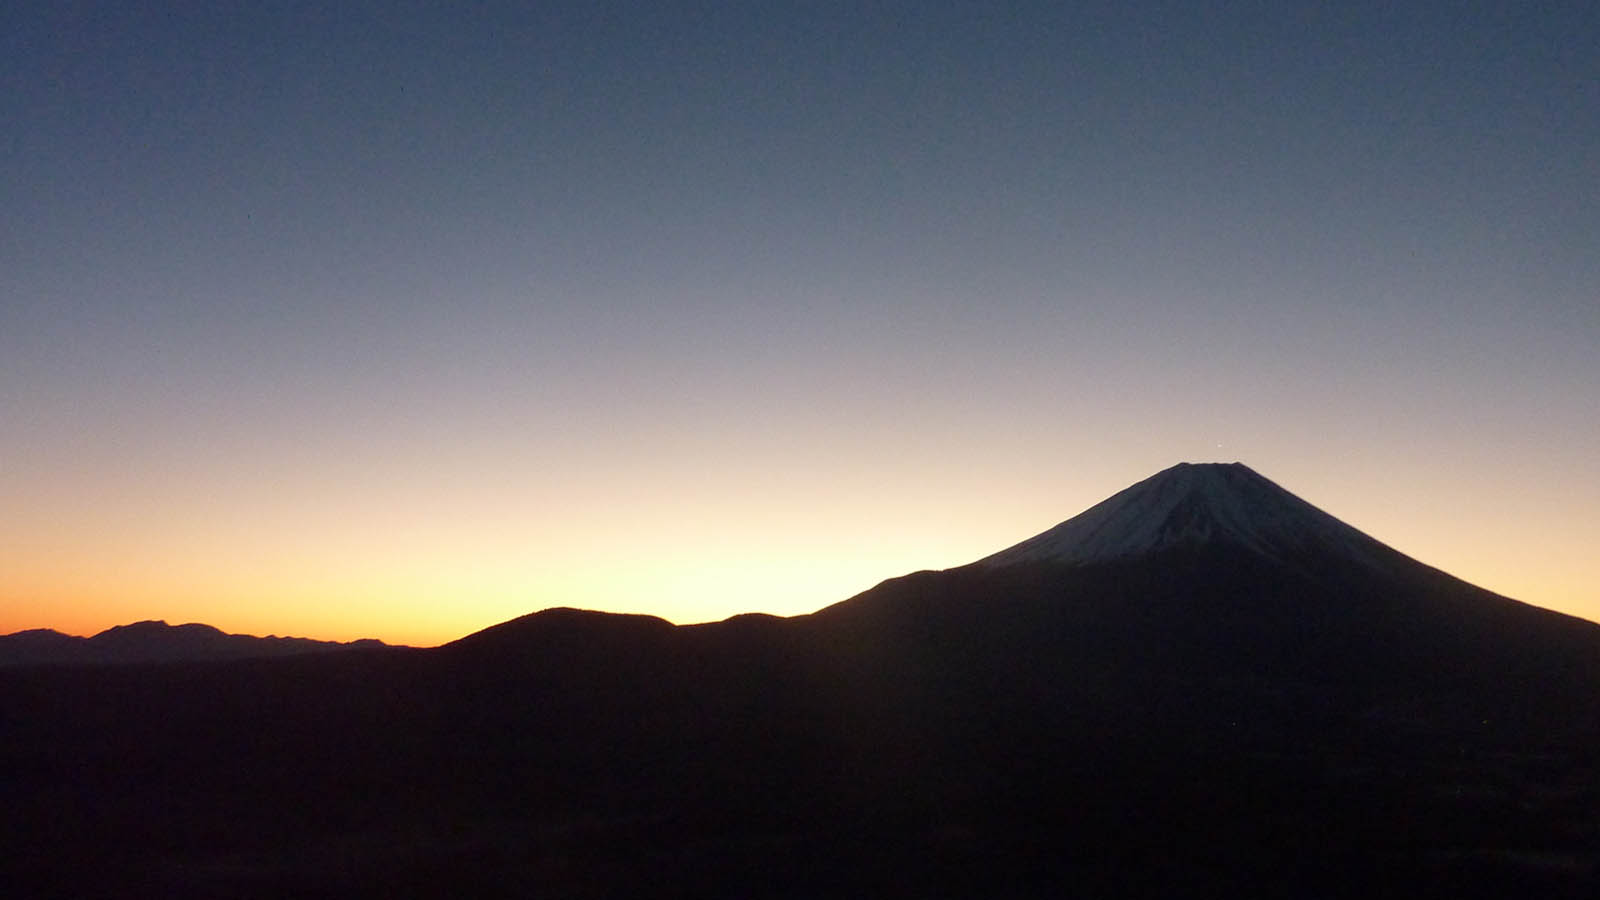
{"x":1192,"y":504}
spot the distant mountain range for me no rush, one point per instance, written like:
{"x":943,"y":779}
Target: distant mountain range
{"x":1202,"y":685}
{"x":155,"y":641}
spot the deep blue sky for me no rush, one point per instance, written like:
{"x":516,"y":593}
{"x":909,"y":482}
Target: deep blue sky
{"x":500,"y":277}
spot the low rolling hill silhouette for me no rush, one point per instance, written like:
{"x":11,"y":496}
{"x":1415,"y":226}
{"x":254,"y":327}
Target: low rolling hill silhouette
{"x":1201,"y":684}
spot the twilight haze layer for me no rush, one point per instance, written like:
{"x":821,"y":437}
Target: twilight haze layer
{"x":398,"y":320}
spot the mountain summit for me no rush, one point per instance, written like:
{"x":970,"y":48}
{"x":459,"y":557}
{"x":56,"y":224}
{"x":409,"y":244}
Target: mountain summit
{"x":1194,"y":504}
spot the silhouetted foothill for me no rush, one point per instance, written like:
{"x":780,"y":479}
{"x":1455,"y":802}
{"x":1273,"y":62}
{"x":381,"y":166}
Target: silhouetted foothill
{"x":156,"y":641}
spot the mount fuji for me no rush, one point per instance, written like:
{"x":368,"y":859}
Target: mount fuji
{"x":1190,"y":505}
{"x":1213,"y":566}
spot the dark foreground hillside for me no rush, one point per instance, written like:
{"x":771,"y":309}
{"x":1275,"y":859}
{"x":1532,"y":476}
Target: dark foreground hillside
{"x":585,"y":755}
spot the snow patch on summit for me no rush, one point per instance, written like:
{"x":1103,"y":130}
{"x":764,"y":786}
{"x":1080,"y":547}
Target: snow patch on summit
{"x":1189,"y":505}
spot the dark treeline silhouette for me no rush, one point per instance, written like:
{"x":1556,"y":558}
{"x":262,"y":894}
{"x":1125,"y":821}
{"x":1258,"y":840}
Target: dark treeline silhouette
{"x":1215,"y":714}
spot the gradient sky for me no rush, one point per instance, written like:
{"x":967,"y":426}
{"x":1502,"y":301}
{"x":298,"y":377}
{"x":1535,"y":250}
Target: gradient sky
{"x":400,"y":320}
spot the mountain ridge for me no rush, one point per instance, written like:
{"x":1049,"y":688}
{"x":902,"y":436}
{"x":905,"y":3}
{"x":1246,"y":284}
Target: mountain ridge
{"x":153,"y":641}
